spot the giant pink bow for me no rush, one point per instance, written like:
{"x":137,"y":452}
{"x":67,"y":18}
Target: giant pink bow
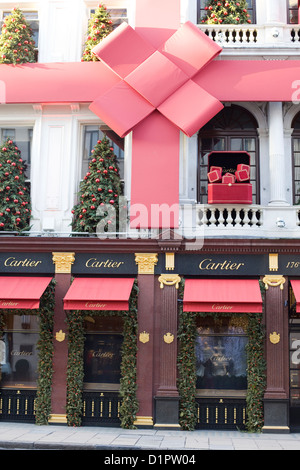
{"x":159,"y":79}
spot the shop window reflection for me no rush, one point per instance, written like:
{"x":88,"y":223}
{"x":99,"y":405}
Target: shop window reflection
{"x":221,"y":358}
{"x":18,"y":348}
{"x":102,"y":352}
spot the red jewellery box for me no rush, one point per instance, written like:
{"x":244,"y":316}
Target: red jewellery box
{"x":232,"y":189}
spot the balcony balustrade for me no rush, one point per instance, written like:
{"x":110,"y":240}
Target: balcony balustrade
{"x":257,"y":36}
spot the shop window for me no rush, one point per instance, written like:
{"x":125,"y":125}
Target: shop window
{"x":221,"y":358}
{"x":90,"y":137}
{"x":32,"y":18}
{"x":292,"y":7}
{"x":102,"y":353}
{"x":19,"y":355}
{"x":233,"y":129}
{"x":201,"y":12}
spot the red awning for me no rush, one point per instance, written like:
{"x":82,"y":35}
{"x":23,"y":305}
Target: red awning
{"x":98,"y":294}
{"x":296,"y":289}
{"x":18,"y":292}
{"x":222,"y":295}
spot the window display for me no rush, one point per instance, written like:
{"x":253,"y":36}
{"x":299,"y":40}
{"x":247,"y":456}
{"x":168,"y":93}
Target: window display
{"x":19,"y":354}
{"x":221,"y":355}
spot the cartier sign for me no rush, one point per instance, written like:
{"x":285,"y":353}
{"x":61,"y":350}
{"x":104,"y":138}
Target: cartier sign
{"x":105,"y":263}
{"x":32,"y":263}
{"x":221,"y":265}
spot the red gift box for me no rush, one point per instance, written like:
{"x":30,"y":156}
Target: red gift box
{"x":242,"y":175}
{"x":243,"y":166}
{"x":228,"y":178}
{"x":230,"y":194}
{"x":217,"y":168}
{"x":214,"y":176}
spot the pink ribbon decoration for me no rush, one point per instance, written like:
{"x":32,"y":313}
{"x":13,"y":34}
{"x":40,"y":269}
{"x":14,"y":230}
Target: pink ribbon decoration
{"x":156,"y":79}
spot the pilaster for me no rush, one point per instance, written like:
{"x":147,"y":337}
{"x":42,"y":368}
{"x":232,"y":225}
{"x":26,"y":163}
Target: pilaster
{"x":63,"y":263}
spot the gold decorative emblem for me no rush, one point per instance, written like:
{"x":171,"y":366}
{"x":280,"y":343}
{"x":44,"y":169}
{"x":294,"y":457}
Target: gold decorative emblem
{"x":168,"y":338}
{"x":146,"y":262}
{"x":273,"y":281}
{"x":63,"y":262}
{"x":169,"y":280}
{"x":60,"y":336}
{"x":274,"y":337}
{"x":144,"y":337}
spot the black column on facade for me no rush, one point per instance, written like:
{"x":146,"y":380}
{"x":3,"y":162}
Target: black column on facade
{"x":167,"y":396}
{"x":276,"y":398}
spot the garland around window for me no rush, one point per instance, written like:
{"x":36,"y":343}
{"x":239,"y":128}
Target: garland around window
{"x":75,"y":372}
{"x":187,"y":369}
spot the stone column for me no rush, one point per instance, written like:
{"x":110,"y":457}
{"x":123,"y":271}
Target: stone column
{"x":276,"y":398}
{"x":167,"y":396}
{"x":278,"y":196}
{"x":145,"y":371}
{"x":63,"y":263}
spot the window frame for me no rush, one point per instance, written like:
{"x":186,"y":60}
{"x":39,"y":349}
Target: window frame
{"x":201,"y":11}
{"x":289,"y":10}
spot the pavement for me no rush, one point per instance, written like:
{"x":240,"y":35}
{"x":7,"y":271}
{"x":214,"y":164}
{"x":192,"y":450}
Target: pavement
{"x":115,"y":442}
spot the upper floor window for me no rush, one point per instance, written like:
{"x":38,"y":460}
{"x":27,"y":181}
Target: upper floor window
{"x":22,"y":136}
{"x":117,"y":15}
{"x":32,"y":18}
{"x":296,"y":158}
{"x":293,"y":8}
{"x":232,"y":129}
{"x":90,"y":137}
{"x":201,"y":12}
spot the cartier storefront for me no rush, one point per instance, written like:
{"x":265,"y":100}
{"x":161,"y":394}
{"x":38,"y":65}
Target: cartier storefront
{"x":143,"y":333}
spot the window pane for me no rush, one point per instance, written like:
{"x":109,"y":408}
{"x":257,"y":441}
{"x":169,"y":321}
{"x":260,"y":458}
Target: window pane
{"x":237,"y":144}
{"x":219,"y":144}
{"x":296,"y":144}
{"x":19,"y":355}
{"x":22,"y":136}
{"x":91,"y":135}
{"x":297,"y":159}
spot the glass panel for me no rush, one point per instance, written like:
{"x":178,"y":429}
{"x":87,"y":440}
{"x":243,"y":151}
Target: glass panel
{"x":91,"y":135}
{"x":296,"y":144}
{"x":18,"y":351}
{"x":221,"y":359}
{"x":22,"y":136}
{"x":219,"y":143}
{"x":221,"y":362}
{"x":249,"y":145}
{"x":236,"y":144}
{"x":297,"y":173}
{"x":102,"y":358}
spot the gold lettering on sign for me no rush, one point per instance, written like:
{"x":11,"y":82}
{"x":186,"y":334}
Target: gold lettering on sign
{"x":8,"y":303}
{"x":94,"y":305}
{"x":12,"y":262}
{"x":109,"y":263}
{"x":227,"y":265}
{"x":221,"y":307}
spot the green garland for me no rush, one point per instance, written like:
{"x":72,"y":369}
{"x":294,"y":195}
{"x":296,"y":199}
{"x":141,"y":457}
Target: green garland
{"x":45,"y":350}
{"x":75,"y":371}
{"x":256,"y":367}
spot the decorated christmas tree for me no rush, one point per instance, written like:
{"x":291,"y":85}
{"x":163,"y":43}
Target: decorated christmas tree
{"x":226,"y":12}
{"x":16,"y":40}
{"x":15,"y":208}
{"x":99,"y":192}
{"x":100,"y":25}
